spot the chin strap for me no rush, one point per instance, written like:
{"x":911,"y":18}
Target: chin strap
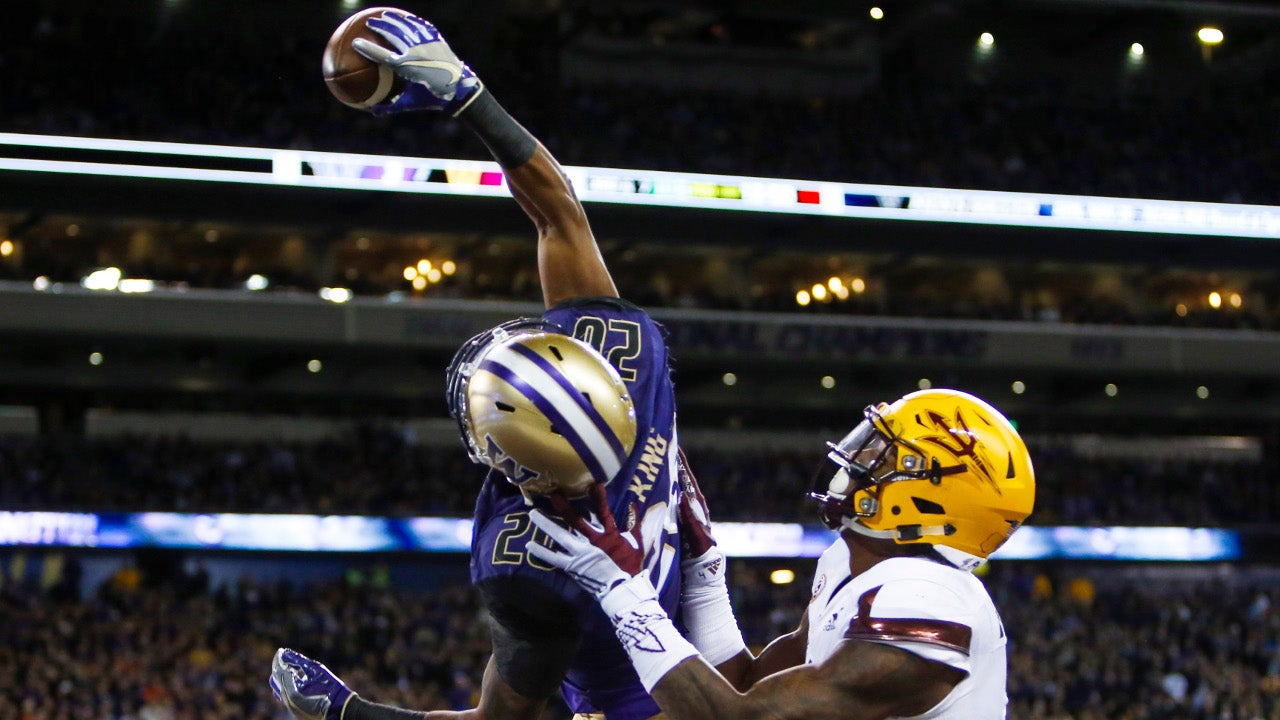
{"x":958,"y":558}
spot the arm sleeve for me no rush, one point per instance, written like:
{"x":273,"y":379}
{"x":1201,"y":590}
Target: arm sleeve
{"x":535,"y":633}
{"x":919,"y":616}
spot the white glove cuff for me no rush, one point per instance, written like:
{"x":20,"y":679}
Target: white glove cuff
{"x":706,"y":610}
{"x":645,"y":631}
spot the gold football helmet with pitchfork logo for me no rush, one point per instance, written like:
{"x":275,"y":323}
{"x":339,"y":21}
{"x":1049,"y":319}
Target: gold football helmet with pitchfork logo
{"x":940,"y":467}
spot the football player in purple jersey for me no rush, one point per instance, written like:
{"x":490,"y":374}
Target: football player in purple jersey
{"x":534,"y":405}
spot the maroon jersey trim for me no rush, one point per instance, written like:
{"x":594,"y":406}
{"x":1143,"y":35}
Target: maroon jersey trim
{"x":934,"y":632}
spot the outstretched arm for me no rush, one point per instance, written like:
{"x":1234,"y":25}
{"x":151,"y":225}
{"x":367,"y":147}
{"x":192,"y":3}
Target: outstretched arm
{"x":310,"y":691}
{"x":569,"y":261}
{"x":861,"y":680}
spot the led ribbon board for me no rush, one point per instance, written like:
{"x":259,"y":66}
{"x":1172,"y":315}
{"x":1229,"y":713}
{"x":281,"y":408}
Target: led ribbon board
{"x":354,"y":533}
{"x":313,"y":169}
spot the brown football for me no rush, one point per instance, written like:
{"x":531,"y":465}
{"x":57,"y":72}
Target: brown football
{"x":351,"y":77}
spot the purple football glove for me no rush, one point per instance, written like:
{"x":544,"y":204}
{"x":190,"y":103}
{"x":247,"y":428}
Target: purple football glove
{"x":438,"y":80}
{"x":306,"y":688}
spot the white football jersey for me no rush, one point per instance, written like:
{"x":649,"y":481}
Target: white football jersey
{"x":933,"y":610}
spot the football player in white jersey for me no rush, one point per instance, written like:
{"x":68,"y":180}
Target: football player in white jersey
{"x":923,"y":490}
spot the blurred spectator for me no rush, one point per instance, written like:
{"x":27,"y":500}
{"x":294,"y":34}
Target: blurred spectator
{"x":1181,"y":652}
{"x":377,"y":472}
{"x":1211,"y":142}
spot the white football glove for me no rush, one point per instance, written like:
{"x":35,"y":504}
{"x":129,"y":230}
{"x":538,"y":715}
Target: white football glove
{"x":438,"y":80}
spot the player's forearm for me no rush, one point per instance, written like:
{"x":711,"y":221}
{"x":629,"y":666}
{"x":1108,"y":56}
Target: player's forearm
{"x":361,"y":709}
{"x":535,"y":177}
{"x":693,"y":690}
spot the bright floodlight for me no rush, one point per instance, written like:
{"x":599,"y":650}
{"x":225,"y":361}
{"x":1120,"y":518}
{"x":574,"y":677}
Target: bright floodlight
{"x":986,"y":39}
{"x":103,"y":279}
{"x":1136,"y":50}
{"x":877,"y":13}
{"x":1210,"y":35}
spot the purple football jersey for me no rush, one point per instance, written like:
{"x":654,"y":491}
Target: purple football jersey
{"x":600,"y":677}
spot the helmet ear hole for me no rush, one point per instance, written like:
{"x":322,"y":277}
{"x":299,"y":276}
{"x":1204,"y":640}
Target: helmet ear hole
{"x":504,"y":407}
{"x":928,"y":507}
{"x":556,"y":351}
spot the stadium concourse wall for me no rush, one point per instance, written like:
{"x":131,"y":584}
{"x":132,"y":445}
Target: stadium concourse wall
{"x":443,"y":324}
{"x":387,"y":355}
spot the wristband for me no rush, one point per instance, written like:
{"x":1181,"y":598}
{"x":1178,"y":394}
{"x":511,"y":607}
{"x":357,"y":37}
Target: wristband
{"x":706,"y":609}
{"x":508,"y":141}
{"x":646,"y":633}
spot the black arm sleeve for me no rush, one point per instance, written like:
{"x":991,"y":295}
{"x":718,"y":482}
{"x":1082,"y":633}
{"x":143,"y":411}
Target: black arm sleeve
{"x":508,"y":141}
{"x":535,"y":634}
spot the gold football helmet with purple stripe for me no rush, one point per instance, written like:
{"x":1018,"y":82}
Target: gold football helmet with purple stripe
{"x":544,"y":409}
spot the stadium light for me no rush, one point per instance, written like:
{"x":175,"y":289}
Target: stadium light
{"x":1210,"y":35}
{"x":337,"y":295}
{"x":103,"y":279}
{"x":877,"y":13}
{"x":1136,"y":51}
{"x":986,"y":40}
{"x":1019,"y":387}
{"x":782,"y":576}
{"x":729,"y":379}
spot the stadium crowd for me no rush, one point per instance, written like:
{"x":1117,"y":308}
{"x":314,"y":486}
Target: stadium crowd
{"x":147,"y":647}
{"x":379,"y":472}
{"x":1171,"y":139}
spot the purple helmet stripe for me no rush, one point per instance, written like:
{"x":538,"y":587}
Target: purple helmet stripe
{"x":577,"y":396}
{"x":549,"y":409}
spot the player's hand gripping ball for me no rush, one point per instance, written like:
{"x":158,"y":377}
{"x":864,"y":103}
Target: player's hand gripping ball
{"x":352,"y":78}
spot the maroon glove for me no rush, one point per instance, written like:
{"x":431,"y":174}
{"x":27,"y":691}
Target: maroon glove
{"x":626,"y":550}
{"x":695,"y":518}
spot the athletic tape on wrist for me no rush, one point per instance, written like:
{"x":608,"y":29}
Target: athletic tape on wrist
{"x":646,"y":633}
{"x":707,"y":611}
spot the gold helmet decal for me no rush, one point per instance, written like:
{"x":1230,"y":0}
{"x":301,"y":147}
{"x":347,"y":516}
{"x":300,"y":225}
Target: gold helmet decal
{"x":957,"y":439}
